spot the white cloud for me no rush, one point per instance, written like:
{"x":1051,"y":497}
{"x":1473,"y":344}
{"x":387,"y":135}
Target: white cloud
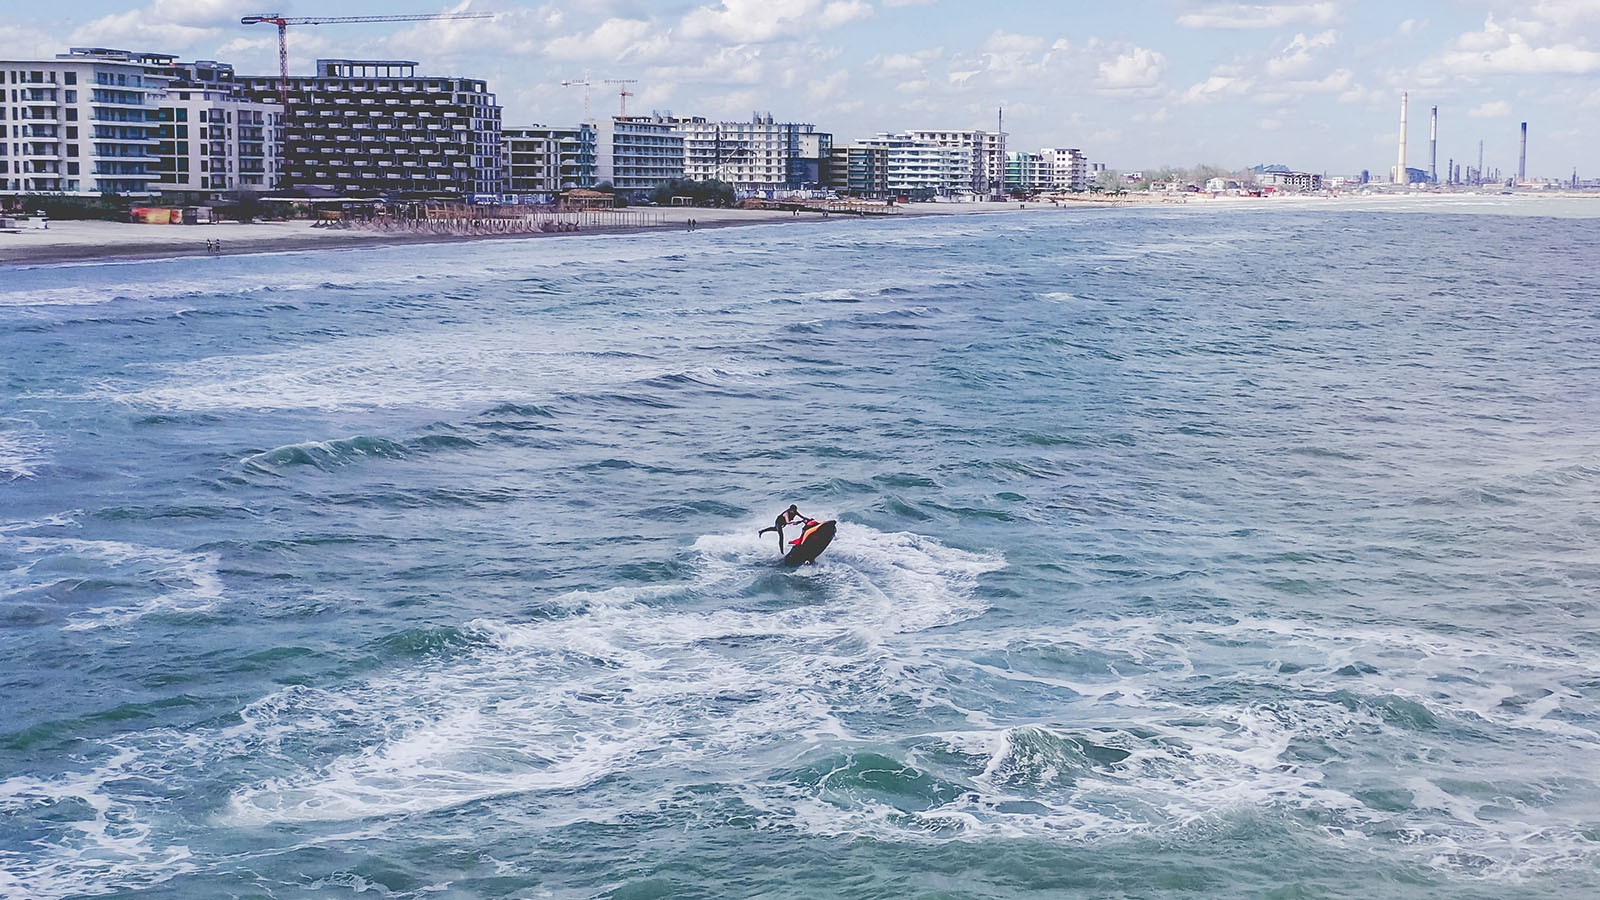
{"x":1339,"y":80}
{"x":610,"y":40}
{"x":1218,"y":86}
{"x":1495,"y":109}
{"x":1267,"y":15}
{"x":138,"y":30}
{"x":907,"y":63}
{"x":1132,"y":69}
{"x":843,"y":12}
{"x":758,"y":21}
{"x":741,"y":65}
{"x":1506,"y":50}
{"x":1567,"y":12}
{"x":1300,"y":54}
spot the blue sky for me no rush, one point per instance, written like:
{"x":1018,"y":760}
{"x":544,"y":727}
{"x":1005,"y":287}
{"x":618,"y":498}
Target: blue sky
{"x":1139,"y":84}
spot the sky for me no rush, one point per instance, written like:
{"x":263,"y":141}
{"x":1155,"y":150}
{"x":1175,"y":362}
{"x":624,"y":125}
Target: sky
{"x":1136,"y":85}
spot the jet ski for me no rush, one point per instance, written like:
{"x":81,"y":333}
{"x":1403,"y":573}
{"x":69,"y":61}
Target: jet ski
{"x":813,"y":539}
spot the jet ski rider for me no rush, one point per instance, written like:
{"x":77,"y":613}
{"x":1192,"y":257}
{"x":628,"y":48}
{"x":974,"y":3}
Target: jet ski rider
{"x":790,"y":516}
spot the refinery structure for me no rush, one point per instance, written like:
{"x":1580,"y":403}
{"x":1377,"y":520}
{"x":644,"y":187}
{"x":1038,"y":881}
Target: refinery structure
{"x":1456,"y":174}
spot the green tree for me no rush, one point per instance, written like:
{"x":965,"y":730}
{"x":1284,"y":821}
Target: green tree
{"x":709,"y":192}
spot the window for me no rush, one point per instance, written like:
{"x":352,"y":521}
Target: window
{"x":72,"y":132}
{"x":72,"y":96}
{"x":72,"y":114}
{"x":183,"y":115}
{"x":202,"y":117}
{"x":72,"y":168}
{"x":72,"y":78}
{"x":72,"y":149}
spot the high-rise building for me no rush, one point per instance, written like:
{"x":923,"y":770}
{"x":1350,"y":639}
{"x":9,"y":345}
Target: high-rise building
{"x":541,"y":161}
{"x":376,"y":127}
{"x":637,"y":153}
{"x":758,"y":157}
{"x":986,"y":151}
{"x":1027,"y":172}
{"x":1051,"y":169}
{"x":859,"y":171}
{"x":82,"y":124}
{"x":214,"y":141}
{"x":1068,"y":168}
{"x":923,"y":169}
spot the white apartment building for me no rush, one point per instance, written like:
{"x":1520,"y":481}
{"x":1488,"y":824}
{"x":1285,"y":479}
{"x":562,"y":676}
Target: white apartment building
{"x":82,"y":124}
{"x":1047,"y":170}
{"x":924,"y":169}
{"x":213,"y":139}
{"x":1026,"y":172}
{"x":1068,"y":168}
{"x":636,"y":153}
{"x":758,"y":157}
{"x":986,"y":149}
{"x":541,"y":161}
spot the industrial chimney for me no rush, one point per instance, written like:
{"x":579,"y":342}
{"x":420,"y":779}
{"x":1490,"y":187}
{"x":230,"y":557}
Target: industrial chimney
{"x":1400,"y":176}
{"x":1433,"y":146}
{"x":1522,"y":159}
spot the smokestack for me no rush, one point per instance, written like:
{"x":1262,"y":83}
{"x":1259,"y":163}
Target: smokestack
{"x":1433,"y":146}
{"x":1400,"y":170}
{"x":1522,"y":159}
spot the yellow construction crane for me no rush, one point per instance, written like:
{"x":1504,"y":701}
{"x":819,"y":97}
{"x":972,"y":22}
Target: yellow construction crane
{"x":623,"y":93}
{"x":283,"y":23}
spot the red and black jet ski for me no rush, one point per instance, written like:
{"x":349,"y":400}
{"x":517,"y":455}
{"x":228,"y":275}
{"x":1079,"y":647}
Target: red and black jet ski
{"x":813,"y":539}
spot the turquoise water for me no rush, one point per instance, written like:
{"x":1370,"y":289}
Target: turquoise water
{"x":1183,"y":553}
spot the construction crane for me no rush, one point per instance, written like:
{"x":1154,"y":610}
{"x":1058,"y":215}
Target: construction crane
{"x":284,"y":22}
{"x":585,"y":83}
{"x":623,"y":93}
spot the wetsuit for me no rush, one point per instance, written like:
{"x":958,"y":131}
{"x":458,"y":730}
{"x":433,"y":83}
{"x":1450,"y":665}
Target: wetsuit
{"x":789,"y":516}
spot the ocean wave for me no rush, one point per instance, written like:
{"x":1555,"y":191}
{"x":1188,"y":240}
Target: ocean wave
{"x":22,"y":455}
{"x":103,"y":584}
{"x":626,"y":678}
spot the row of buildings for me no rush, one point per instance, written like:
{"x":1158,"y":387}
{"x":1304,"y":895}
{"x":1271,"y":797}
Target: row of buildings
{"x":96,"y":122}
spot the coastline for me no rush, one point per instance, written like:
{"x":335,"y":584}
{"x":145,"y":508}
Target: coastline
{"x":67,"y":242}
{"x":88,"y":242}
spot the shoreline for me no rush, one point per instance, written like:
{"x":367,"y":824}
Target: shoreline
{"x":89,"y":242}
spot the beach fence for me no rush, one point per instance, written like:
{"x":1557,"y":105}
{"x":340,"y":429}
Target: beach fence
{"x":841,"y":206}
{"x":465,"y":220}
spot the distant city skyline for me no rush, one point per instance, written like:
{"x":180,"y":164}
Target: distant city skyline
{"x":1311,"y":85}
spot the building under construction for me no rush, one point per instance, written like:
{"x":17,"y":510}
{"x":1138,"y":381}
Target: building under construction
{"x":375,"y":127}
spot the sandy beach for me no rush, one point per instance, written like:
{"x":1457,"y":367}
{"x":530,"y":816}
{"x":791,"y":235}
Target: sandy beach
{"x":74,"y":241}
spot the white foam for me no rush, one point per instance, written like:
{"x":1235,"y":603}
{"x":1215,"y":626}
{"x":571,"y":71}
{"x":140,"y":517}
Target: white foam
{"x":1364,"y":689}
{"x":153,"y":579}
{"x":104,"y":846}
{"x":21,"y":455}
{"x":629,"y":680}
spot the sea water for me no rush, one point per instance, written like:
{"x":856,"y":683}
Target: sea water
{"x":1182,"y":552}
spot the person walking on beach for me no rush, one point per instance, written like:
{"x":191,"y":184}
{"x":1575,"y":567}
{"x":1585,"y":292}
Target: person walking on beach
{"x":790,"y":516}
